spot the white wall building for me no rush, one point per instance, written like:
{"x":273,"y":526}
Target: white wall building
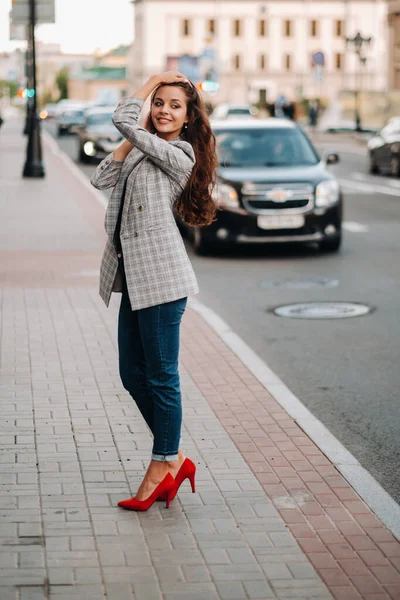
{"x":265,"y":48}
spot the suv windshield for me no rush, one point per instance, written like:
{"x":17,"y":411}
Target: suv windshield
{"x":99,"y":119}
{"x":264,"y":147}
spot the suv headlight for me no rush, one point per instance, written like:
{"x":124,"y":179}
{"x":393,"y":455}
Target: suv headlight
{"x":327,"y":193}
{"x":226,"y":196}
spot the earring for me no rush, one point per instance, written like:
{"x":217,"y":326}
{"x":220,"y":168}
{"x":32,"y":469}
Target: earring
{"x":185,"y":126}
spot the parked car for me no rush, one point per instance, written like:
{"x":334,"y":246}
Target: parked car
{"x":384,"y":149}
{"x":49,"y":111}
{"x":69,"y":119}
{"x":272,"y":187}
{"x":98,"y":136}
{"x":233,"y":111}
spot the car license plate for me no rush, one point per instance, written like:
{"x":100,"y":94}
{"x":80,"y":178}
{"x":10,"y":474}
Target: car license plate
{"x":280,"y":221}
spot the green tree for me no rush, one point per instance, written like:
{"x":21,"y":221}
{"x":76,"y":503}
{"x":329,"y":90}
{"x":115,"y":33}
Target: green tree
{"x":8,"y":88}
{"x":62,"y":82}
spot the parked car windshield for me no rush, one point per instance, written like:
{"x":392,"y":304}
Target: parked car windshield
{"x":99,"y":119}
{"x":264,"y":147}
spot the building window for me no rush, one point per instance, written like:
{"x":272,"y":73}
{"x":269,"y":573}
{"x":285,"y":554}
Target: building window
{"x":313,"y":28}
{"x":288,"y":62}
{"x":339,"y":28}
{"x":287,"y":28}
{"x":236,"y":62}
{"x":186,"y":27}
{"x":236,"y":28}
{"x":263,"y":62}
{"x":338,"y":61}
{"x":211,"y":26}
{"x":262,"y":28}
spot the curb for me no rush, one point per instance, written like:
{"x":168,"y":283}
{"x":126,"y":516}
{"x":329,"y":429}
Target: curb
{"x":378,"y":500}
{"x":373,"y":494}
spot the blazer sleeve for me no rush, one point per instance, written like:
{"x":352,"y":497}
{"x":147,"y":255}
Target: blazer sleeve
{"x":107,"y":173}
{"x":177,"y":159}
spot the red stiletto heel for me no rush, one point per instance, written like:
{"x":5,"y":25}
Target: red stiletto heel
{"x":191,"y":479}
{"x":165,"y":489}
{"x":187,"y":471}
{"x":169,"y":498}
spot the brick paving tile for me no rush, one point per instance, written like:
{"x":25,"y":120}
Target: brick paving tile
{"x":272,"y":517}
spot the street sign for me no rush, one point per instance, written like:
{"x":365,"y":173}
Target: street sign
{"x":189,"y":66}
{"x":37,"y":2}
{"x":318,"y":58}
{"x":17,"y":32}
{"x":45,"y":12}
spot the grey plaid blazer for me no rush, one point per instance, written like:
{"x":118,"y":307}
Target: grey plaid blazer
{"x":157,"y":267}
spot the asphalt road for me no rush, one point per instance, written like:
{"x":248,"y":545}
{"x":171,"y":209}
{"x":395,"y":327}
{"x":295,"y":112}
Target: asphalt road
{"x":346,"y":371}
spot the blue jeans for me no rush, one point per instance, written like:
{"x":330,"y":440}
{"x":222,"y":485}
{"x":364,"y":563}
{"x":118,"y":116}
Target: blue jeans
{"x":148,"y":344}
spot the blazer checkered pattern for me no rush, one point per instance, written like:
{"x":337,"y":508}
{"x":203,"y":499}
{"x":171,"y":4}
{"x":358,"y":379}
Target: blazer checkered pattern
{"x":157,"y":267}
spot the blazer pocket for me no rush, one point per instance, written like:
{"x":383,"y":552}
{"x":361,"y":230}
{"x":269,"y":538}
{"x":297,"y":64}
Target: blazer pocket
{"x":157,"y":227}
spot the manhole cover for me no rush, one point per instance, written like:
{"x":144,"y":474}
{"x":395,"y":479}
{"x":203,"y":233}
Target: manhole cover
{"x":300,"y":283}
{"x":322,"y":310}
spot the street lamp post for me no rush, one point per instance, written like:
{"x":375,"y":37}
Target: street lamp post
{"x":358,"y":40}
{"x":33,"y":166}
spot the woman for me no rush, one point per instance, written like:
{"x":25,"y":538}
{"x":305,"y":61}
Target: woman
{"x":166,"y":166}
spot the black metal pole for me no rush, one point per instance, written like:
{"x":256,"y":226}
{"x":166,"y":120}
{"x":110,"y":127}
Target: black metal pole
{"x":357,"y":95}
{"x":28,"y":75}
{"x":357,"y":109}
{"x":33,"y":166}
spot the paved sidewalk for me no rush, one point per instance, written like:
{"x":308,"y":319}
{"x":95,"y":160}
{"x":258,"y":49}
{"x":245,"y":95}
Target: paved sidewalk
{"x":272,"y":517}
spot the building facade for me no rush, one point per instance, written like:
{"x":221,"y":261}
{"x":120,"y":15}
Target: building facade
{"x":50,"y":60}
{"x":12,"y":66}
{"x":394,"y":44}
{"x":106,"y":77}
{"x":265,"y":49}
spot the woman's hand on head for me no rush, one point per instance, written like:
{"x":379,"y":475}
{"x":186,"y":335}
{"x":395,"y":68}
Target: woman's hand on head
{"x":172,"y":77}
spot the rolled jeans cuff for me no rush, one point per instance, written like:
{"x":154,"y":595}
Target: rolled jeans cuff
{"x":164,"y":457}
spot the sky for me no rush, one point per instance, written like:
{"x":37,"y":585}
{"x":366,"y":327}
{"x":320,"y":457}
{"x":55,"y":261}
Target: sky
{"x":82,"y":26}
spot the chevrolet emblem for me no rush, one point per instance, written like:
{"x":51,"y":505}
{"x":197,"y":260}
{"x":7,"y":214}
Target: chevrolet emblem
{"x":279,"y":195}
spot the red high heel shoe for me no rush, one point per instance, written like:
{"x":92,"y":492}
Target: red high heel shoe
{"x":187,"y":471}
{"x":165,"y":489}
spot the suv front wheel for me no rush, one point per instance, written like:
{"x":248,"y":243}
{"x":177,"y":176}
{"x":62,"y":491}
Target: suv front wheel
{"x":395,"y":165}
{"x":330,"y":245}
{"x":373,"y":167}
{"x":202,"y":244}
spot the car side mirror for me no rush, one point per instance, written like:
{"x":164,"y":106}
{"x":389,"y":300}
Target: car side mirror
{"x":331,"y":158}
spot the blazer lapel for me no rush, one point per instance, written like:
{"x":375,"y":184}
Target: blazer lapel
{"x":131,"y":162}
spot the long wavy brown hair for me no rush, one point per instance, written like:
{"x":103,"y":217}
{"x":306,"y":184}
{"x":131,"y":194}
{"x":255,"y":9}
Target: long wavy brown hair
{"x":195,"y":205}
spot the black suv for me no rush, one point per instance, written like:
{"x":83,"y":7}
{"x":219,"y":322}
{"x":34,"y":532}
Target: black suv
{"x":272,"y":187}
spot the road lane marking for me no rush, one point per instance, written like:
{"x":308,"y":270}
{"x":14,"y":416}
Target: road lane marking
{"x":355,"y":186}
{"x":354,"y":227}
{"x":369,"y":188}
{"x":376,"y":179}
